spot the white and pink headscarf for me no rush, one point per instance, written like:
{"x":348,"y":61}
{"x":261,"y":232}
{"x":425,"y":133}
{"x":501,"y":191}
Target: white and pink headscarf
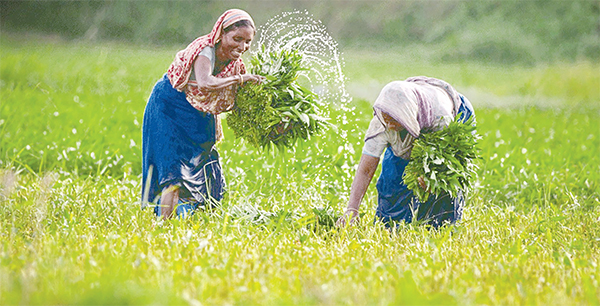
{"x":414,"y":108}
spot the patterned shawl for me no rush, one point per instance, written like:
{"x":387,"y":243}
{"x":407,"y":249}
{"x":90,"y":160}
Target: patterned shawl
{"x":217,"y":101}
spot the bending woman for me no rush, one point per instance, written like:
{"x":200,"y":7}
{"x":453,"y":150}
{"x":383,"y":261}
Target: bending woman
{"x":402,"y":110}
{"x":181,"y":168}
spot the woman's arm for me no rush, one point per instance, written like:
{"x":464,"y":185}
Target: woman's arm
{"x":364,"y":174}
{"x":207,"y":82}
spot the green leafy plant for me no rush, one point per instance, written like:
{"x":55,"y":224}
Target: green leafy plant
{"x":444,"y":159}
{"x":278,"y":111}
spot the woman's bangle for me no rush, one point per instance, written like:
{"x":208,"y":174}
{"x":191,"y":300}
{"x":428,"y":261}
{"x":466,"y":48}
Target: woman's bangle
{"x":352,"y":209}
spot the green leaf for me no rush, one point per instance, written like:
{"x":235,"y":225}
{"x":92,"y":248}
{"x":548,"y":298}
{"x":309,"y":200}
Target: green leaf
{"x":304,"y":118}
{"x":261,"y":109}
{"x":444,"y":158}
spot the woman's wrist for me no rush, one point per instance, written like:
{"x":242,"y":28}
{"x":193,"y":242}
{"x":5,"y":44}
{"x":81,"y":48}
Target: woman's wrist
{"x":352,"y":209}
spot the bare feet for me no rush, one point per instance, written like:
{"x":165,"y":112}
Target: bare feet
{"x":168,"y":201}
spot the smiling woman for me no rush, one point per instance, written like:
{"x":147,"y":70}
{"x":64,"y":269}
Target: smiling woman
{"x":181,"y":168}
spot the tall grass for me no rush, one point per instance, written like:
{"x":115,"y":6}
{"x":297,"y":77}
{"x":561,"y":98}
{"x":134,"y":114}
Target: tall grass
{"x":73,"y":232}
{"x":85,"y":241}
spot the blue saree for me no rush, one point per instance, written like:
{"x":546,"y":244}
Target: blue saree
{"x":397,"y":203}
{"x":178,"y":144}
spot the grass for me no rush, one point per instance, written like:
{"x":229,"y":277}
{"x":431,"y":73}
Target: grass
{"x":575,"y":83}
{"x":73,"y":232}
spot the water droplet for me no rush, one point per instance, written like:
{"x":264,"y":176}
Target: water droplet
{"x":301,"y":32}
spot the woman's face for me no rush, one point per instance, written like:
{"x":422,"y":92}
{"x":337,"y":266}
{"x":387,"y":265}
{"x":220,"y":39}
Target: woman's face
{"x":391,"y":123}
{"x":235,"y":42}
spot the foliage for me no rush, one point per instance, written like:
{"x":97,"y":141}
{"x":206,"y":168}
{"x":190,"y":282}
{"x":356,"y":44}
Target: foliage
{"x":499,"y":31}
{"x":279,"y":111}
{"x":445,"y":159}
{"x":73,"y":232}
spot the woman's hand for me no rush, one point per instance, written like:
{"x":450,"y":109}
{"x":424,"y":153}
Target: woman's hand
{"x":283,"y":126}
{"x":349,"y":217}
{"x":207,"y":82}
{"x":422,"y":184}
{"x":255,"y":78}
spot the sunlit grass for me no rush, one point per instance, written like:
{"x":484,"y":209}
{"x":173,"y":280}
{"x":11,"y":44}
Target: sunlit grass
{"x":85,"y":240}
{"x":73,"y":232}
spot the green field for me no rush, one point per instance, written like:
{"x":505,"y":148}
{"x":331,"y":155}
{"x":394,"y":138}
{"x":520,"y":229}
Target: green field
{"x":72,"y":231}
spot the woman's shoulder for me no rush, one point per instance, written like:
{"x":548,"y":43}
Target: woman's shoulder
{"x":208,"y":51}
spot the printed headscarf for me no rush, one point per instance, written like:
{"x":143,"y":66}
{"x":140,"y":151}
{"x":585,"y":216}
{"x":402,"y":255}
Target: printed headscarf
{"x":412,"y":108}
{"x":216,"y":101}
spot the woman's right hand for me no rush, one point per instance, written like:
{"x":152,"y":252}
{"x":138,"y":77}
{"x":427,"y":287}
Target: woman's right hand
{"x":255,"y":78}
{"x":349,"y":217}
{"x":423,"y":185}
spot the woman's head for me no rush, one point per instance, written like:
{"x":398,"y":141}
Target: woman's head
{"x":231,"y":20}
{"x":394,"y":104}
{"x":390,"y":123}
{"x":235,"y":42}
{"x":239,"y":24}
{"x":235,"y":30}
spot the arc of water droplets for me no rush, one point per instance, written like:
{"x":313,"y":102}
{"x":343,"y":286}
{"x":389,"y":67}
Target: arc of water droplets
{"x":298,"y":30}
{"x":320,"y":55}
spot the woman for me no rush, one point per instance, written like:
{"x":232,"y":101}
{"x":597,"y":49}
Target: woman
{"x":181,"y":169}
{"x":402,"y":110}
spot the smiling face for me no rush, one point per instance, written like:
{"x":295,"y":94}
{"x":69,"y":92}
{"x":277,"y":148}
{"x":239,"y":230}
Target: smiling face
{"x":234,"y":43}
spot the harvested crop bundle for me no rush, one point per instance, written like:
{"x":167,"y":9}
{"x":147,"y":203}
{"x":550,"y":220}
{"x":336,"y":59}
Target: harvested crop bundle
{"x":279,"y":111}
{"x":444,"y":159}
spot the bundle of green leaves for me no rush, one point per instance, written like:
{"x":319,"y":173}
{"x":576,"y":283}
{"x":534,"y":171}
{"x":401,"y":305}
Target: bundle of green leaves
{"x":278,"y":111}
{"x":444,"y":159}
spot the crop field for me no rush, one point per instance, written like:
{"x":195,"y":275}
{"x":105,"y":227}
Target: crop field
{"x":72,"y":230}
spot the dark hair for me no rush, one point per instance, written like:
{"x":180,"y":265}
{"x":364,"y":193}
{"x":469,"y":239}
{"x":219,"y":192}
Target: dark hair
{"x":239,"y":24}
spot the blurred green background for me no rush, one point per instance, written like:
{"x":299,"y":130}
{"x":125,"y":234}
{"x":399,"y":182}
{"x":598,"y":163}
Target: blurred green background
{"x":494,"y":31}
{"x":105,"y":56}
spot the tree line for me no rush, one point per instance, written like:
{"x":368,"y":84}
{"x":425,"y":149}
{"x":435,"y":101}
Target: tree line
{"x":502,"y":31}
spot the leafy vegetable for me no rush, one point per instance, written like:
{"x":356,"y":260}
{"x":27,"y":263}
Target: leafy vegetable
{"x":279,"y":111}
{"x":444,"y":159}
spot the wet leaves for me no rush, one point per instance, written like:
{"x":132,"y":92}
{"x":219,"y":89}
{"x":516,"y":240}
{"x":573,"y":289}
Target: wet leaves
{"x":279,"y":111}
{"x":444,"y":159}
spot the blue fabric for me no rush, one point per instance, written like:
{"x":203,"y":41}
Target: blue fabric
{"x":397,"y":203}
{"x":174,"y":136}
{"x":182,"y":210}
